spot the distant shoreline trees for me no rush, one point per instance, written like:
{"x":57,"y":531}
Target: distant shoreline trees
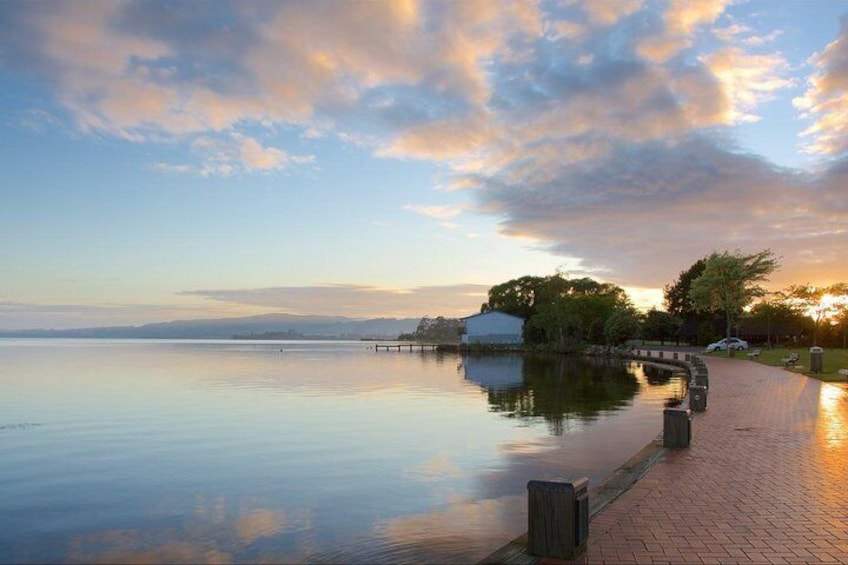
{"x":439,"y":330}
{"x":718,"y":294}
{"x":565,"y":313}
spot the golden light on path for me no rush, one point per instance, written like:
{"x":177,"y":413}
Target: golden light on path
{"x":832,"y":426}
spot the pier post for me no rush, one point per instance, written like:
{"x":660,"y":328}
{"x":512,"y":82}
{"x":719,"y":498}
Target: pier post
{"x":677,"y":427}
{"x":557,"y":518}
{"x":698,"y":398}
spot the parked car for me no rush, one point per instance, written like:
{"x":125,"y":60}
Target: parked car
{"x":734,"y":342}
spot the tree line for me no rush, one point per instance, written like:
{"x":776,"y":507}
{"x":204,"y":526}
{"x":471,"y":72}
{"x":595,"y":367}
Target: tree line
{"x":565,"y":313}
{"x":800,"y":314}
{"x":720,"y":295}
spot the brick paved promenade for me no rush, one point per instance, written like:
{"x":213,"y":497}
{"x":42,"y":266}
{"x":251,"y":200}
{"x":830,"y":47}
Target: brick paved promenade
{"x":765,"y":479}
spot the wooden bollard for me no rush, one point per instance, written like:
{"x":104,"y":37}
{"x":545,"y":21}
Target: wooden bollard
{"x":697,"y":398}
{"x":557,"y":518}
{"x":677,"y":427}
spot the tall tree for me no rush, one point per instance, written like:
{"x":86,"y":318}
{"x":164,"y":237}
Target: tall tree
{"x":571,"y":311}
{"x":559,"y":310}
{"x":622,"y":325}
{"x":776,"y":316}
{"x":516,"y":297}
{"x":660,"y":325}
{"x":730,"y":282}
{"x":817,"y":302}
{"x":677,"y":299}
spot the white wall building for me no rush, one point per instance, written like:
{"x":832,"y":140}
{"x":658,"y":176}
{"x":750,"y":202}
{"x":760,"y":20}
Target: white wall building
{"x":493,"y":327}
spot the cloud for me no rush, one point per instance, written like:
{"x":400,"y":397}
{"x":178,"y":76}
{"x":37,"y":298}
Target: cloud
{"x":599,"y":129}
{"x":826,"y":99}
{"x":437,"y":212}
{"x":150,"y":71}
{"x":748,"y":80}
{"x":695,"y":196}
{"x":608,"y":12}
{"x":679,"y":22}
{"x":361,"y":301}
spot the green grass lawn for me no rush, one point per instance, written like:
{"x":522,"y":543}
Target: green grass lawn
{"x":834,"y":359}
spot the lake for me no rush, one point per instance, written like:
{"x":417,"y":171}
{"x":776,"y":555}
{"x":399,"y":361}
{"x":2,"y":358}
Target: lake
{"x":256,"y":451}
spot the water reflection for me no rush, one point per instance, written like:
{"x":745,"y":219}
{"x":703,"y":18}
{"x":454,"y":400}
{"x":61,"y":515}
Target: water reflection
{"x":658,"y":375}
{"x":218,"y":530}
{"x":553,"y":388}
{"x":237,"y":452}
{"x":494,"y":371}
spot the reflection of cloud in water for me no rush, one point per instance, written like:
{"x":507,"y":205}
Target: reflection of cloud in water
{"x":217,"y":531}
{"x":529,"y":447}
{"x":476,"y":529}
{"x":437,"y":468}
{"x":128,"y":546}
{"x":261,"y":523}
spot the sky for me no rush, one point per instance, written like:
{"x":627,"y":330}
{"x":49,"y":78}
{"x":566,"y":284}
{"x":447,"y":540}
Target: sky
{"x":178,"y":160}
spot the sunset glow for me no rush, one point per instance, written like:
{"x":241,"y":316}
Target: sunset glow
{"x":181,"y":160}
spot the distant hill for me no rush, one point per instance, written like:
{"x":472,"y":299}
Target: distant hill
{"x":306,"y":327}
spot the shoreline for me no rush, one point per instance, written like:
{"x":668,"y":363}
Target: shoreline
{"x":600,"y":496}
{"x":616,"y":483}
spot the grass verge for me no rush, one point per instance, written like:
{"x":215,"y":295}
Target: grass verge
{"x":834,"y":360}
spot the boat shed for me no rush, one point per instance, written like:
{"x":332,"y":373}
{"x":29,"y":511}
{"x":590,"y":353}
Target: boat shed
{"x":493,"y":328}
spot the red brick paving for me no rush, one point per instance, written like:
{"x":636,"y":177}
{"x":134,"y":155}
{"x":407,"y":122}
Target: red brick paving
{"x":765,"y":479}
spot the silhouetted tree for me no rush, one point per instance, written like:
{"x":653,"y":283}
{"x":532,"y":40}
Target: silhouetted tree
{"x":729,"y":283}
{"x":436,"y":330}
{"x":810,"y":300}
{"x":558,"y":310}
{"x":660,"y":325}
{"x":622,"y":325}
{"x":677,"y":299}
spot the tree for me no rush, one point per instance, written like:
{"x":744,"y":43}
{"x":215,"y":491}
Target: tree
{"x":516,"y":297}
{"x":558,"y":310}
{"x":841,"y":320}
{"x":436,"y":330}
{"x":572,"y":311}
{"x":774,"y":317}
{"x":660,"y":325}
{"x":622,"y":325}
{"x":694,"y":324}
{"x":817,"y":302}
{"x":730,"y":282}
{"x":677,"y":299}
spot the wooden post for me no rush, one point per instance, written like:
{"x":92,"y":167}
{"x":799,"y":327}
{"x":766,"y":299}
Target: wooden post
{"x":557,"y":518}
{"x":697,"y":398}
{"x":677,"y":427}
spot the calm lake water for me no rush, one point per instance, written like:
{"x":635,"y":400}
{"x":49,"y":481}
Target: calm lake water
{"x":234,"y":451}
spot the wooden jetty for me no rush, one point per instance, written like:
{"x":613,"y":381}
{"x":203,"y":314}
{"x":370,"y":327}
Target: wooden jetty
{"x":409,"y":346}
